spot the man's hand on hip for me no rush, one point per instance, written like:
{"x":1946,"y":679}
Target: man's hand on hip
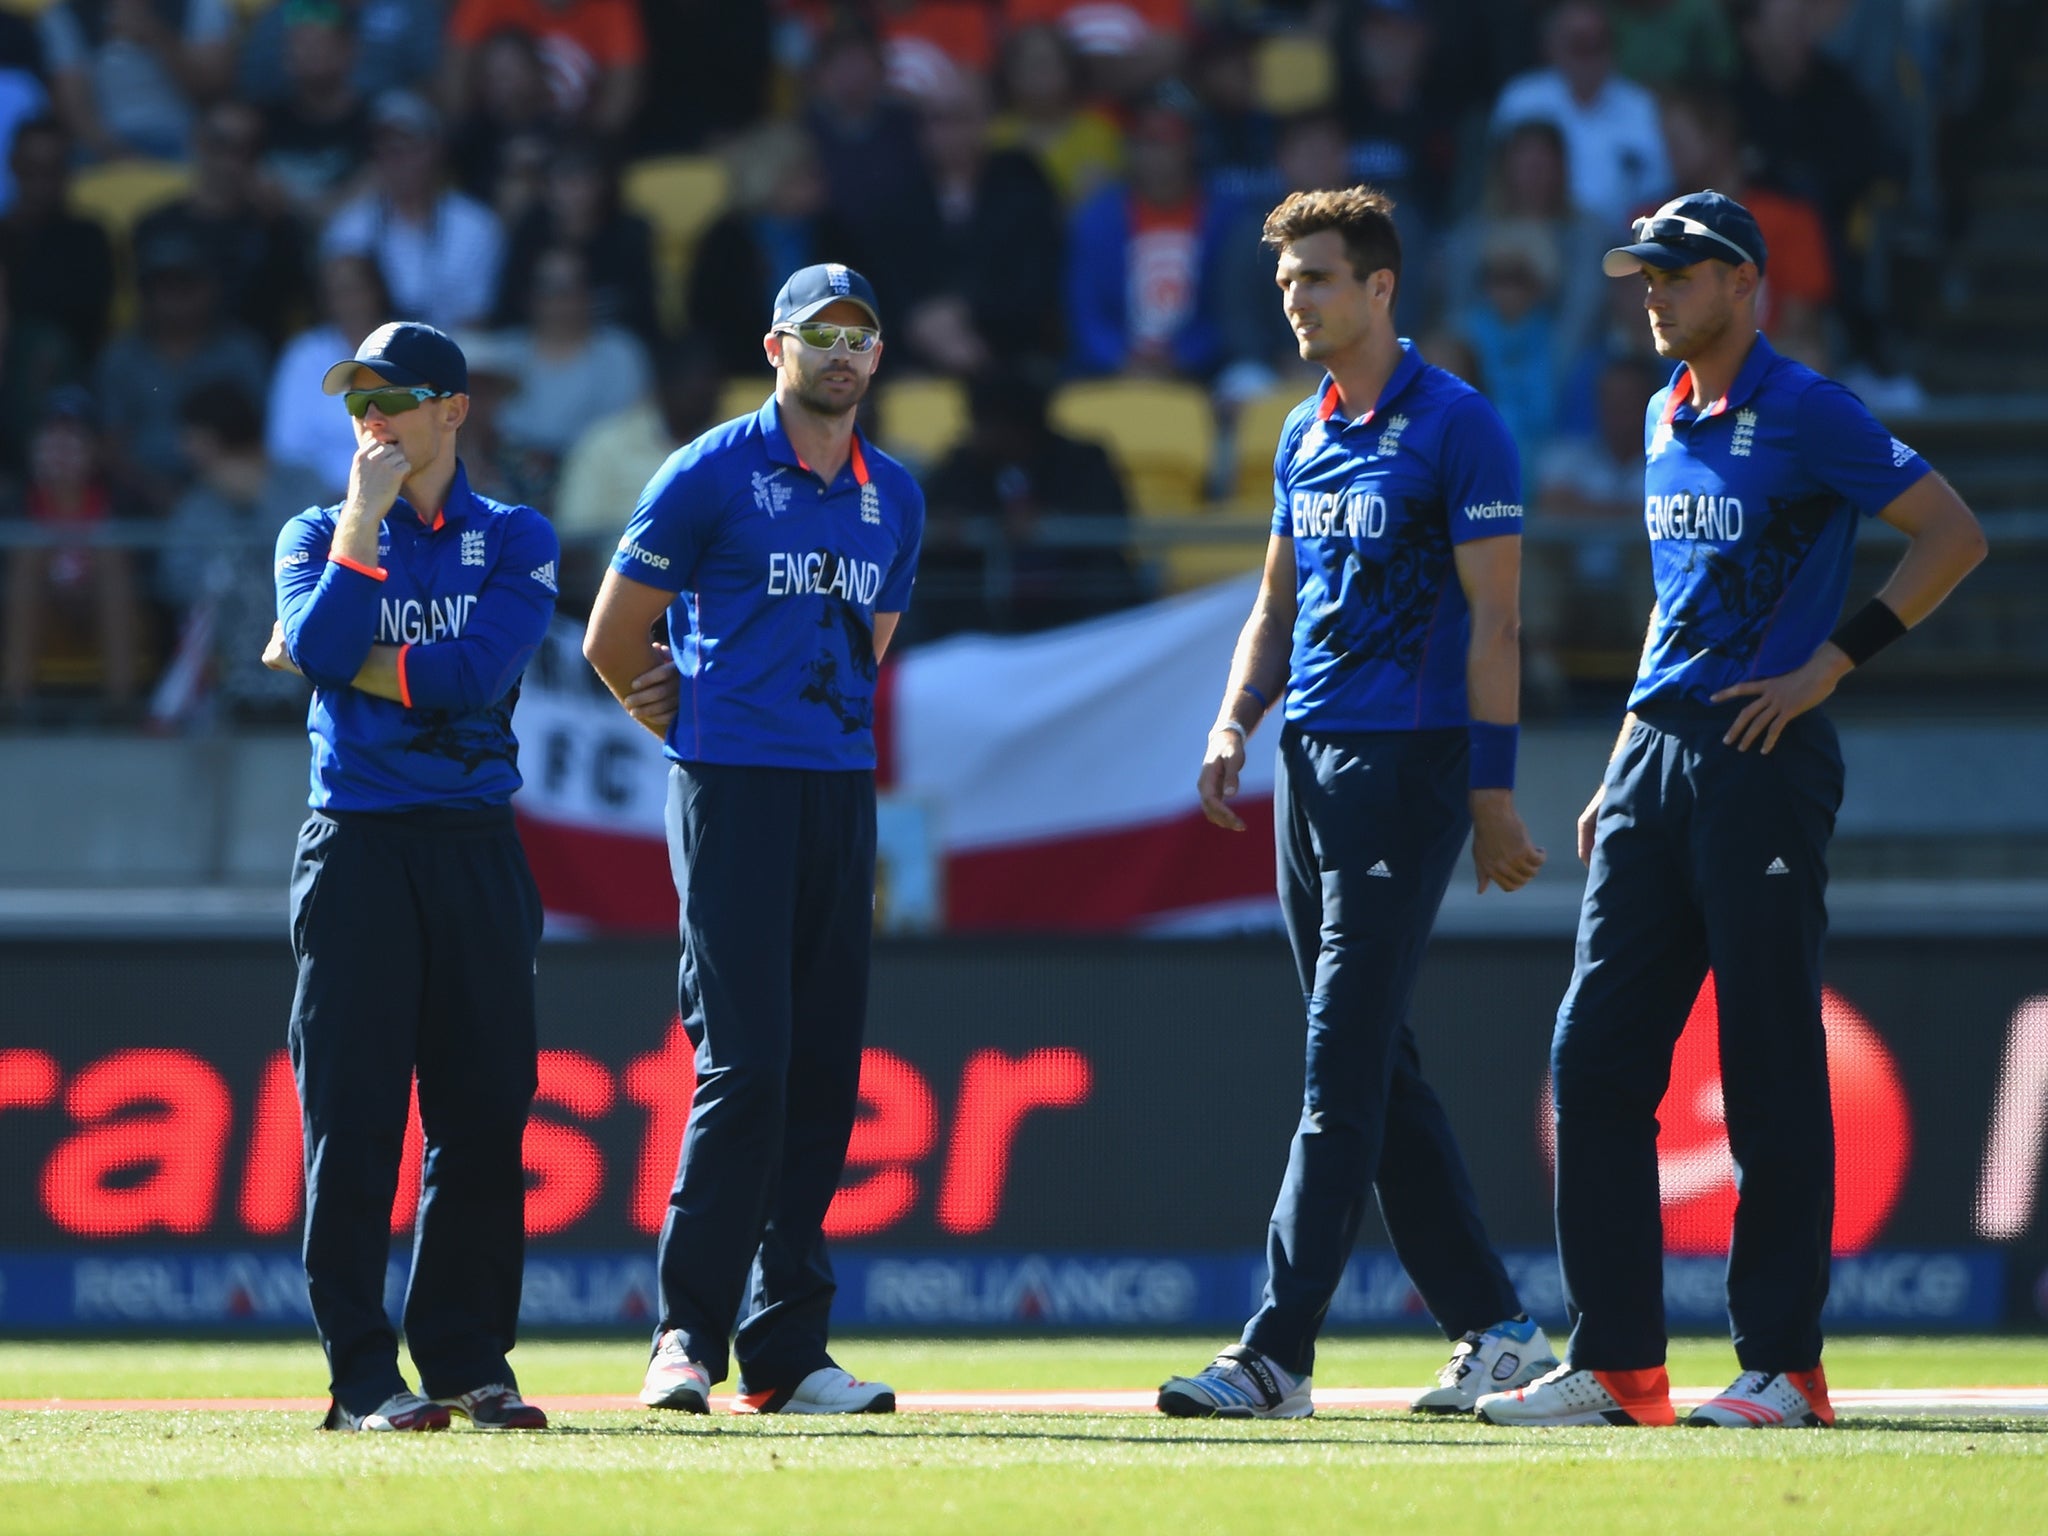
{"x":1501,"y":851}
{"x":1217,"y":782}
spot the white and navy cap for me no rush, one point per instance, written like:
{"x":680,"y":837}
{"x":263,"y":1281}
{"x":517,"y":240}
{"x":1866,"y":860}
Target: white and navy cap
{"x":819,"y":287}
{"x":1700,"y":226}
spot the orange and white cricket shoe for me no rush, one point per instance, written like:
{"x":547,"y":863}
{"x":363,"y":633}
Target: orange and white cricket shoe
{"x":1569,"y":1395}
{"x":1769,"y":1400}
{"x":826,"y":1390}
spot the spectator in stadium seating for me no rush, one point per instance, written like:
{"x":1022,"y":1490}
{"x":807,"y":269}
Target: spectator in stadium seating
{"x":1817,"y":135}
{"x":1527,"y":181}
{"x":1131,"y":46}
{"x":1598,"y":476}
{"x":23,"y":96}
{"x":1703,"y":131}
{"x":179,"y":345}
{"x":716,"y":68}
{"x":990,"y":279}
{"x":1143,"y":262}
{"x":128,"y":75}
{"x":398,"y":46}
{"x":780,"y":222}
{"x":573,"y":369}
{"x":233,"y":214}
{"x":67,"y":600}
{"x":1079,"y":145}
{"x":1236,"y":138}
{"x":580,"y":209}
{"x":1012,"y":470}
{"x":36,"y":359}
{"x":1402,"y":118}
{"x":1615,"y":144}
{"x":595,"y":50}
{"x":928,"y":44}
{"x":1451,"y":349}
{"x":317,"y":135}
{"x":217,"y":568}
{"x":1511,"y":323}
{"x":60,"y":266}
{"x":1664,"y":43}
{"x":303,"y":428}
{"x":874,"y":166}
{"x":603,"y":473}
{"x":440,"y":250}
{"x":508,"y":105}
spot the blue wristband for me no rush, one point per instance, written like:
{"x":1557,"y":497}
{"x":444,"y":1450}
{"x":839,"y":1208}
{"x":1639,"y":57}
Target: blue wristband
{"x":1493,"y":755}
{"x":1264,"y":702}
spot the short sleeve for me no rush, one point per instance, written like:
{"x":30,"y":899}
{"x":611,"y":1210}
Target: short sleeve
{"x":1847,"y":450}
{"x":1283,"y":452}
{"x":895,"y":594}
{"x":1481,"y":472}
{"x":672,"y":524}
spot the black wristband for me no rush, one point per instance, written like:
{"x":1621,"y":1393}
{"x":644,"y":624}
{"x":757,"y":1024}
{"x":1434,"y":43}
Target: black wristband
{"x":1867,"y":631}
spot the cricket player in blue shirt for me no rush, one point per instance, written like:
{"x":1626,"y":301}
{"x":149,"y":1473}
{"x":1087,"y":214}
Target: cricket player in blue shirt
{"x":413,"y":607}
{"x":1386,"y":630}
{"x":782,"y":547}
{"x":1707,"y":840}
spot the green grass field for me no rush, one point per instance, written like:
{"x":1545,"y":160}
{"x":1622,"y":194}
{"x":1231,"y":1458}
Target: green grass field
{"x":1045,"y":1474}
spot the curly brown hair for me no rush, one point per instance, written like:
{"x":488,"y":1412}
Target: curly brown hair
{"x":1364,"y":216}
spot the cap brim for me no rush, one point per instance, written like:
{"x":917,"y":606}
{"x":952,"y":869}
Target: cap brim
{"x":810,"y":311}
{"x":1627,"y":260}
{"x":342,"y":375}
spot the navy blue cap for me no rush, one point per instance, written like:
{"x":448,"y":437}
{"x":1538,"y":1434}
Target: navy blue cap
{"x":820,"y":287}
{"x":1701,"y":226}
{"x":405,"y":353}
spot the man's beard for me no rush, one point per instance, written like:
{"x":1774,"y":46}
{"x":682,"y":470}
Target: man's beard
{"x":810,"y":394}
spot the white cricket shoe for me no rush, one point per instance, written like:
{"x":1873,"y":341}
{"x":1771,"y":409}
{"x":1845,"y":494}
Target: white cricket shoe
{"x":826,"y":1390}
{"x":401,"y":1412}
{"x":674,"y":1380}
{"x":1506,"y":1356}
{"x":1569,"y":1395}
{"x":1240,"y":1383}
{"x":1769,"y":1400}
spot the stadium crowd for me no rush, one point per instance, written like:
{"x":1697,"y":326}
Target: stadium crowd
{"x":203,"y":203}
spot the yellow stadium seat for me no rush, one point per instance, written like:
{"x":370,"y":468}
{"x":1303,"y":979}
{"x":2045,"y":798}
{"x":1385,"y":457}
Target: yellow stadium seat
{"x":1259,"y":421}
{"x":679,"y":195}
{"x":920,"y":419}
{"x":120,"y":192}
{"x":744,"y":396}
{"x":1295,"y":74}
{"x":1162,"y":437}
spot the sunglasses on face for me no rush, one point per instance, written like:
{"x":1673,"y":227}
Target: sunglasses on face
{"x":390,"y":401}
{"x":824,"y":336}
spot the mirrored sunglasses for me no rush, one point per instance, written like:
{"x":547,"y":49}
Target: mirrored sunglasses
{"x":823,"y":336}
{"x":390,"y":401}
{"x":1677,"y":228}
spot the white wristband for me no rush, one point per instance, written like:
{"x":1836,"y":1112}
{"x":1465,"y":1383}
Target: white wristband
{"x":1231,"y":725}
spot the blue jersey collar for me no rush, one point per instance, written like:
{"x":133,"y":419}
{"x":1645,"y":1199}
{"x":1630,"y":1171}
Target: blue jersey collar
{"x":1404,"y":373}
{"x":781,"y":450}
{"x":1748,"y":379}
{"x":457,"y":506}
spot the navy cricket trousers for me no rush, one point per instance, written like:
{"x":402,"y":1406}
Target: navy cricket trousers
{"x":1370,"y":825}
{"x":776,"y":871}
{"x":1704,"y":856}
{"x":415,"y":934}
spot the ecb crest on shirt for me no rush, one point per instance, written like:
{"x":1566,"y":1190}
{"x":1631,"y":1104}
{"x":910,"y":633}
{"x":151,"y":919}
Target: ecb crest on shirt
{"x":870,"y":504}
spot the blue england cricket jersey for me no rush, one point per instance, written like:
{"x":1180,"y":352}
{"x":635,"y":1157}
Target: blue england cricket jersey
{"x":1374,"y":507}
{"x":466,"y":600}
{"x":1752,"y":507}
{"x":778,"y":578}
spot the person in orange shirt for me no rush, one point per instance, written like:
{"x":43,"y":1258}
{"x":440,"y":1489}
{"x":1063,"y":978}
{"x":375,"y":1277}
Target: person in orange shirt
{"x":595,"y":52}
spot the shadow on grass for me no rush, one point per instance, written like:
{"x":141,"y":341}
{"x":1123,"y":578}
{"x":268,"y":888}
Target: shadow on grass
{"x":915,"y":1431}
